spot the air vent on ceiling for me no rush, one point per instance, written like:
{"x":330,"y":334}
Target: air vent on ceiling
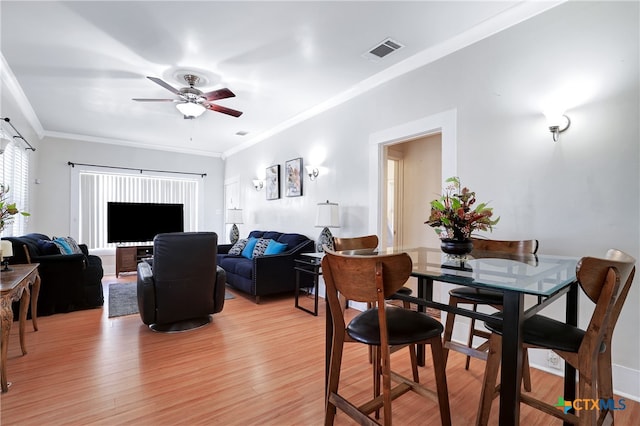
{"x":383,"y":49}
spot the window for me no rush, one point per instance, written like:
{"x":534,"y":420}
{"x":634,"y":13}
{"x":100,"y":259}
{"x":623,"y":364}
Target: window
{"x":14,"y":164}
{"x":96,"y":189}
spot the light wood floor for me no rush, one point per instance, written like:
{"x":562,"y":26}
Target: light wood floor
{"x":254,"y":365}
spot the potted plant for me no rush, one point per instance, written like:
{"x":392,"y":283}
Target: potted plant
{"x":7,"y":210}
{"x":455,"y":218}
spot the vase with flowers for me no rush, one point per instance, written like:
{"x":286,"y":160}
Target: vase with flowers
{"x":455,"y":217}
{"x":7,"y":210}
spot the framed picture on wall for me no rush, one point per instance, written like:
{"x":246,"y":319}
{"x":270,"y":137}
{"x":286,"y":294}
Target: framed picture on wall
{"x":272,"y":182}
{"x":293,"y":177}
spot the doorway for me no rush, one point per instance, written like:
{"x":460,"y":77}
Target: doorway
{"x":412,"y":179}
{"x":445,"y":125}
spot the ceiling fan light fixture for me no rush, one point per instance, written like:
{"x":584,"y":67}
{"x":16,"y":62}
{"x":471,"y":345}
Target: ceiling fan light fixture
{"x":190,"y":109}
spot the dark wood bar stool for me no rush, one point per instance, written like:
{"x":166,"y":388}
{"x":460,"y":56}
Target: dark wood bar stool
{"x":606,"y":281}
{"x":475,"y":297}
{"x":371,"y":279}
{"x":370,"y":242}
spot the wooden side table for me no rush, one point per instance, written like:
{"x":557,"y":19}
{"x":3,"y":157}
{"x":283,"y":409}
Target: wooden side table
{"x":14,"y":285}
{"x":308,"y":263}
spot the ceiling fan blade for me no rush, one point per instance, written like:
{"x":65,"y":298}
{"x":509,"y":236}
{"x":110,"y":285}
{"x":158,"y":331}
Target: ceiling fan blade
{"x":224,"y":110}
{"x":153,"y":100}
{"x":165,"y":85}
{"x":218,"y":94}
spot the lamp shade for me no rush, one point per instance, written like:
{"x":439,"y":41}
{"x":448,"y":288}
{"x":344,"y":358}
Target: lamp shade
{"x":190,"y":109}
{"x":6,"y":249}
{"x":328,"y":215}
{"x":234,"y":216}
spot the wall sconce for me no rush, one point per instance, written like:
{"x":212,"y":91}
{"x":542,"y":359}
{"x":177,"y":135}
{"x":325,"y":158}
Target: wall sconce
{"x":558,"y":123}
{"x":313,"y":172}
{"x":258,"y":184}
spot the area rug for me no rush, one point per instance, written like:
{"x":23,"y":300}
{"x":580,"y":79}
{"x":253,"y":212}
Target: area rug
{"x":123,"y":299}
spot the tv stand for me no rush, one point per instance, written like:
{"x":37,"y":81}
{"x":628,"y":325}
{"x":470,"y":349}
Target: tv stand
{"x":128,"y":257}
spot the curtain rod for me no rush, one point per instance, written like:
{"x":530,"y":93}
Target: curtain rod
{"x":72,"y":164}
{"x":19,"y":136}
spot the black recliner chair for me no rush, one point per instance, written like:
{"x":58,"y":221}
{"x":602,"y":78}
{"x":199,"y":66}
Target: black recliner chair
{"x":181,"y":286}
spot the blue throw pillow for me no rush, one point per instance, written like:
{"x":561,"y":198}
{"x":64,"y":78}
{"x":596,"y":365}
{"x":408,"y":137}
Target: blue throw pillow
{"x":63,"y":246}
{"x":275,"y":247}
{"x":248,"y":249}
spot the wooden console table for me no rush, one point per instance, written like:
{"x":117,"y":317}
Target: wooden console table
{"x":128,"y":257}
{"x":14,"y":285}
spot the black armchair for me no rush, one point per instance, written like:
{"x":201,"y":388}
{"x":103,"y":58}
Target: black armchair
{"x":182,"y":285}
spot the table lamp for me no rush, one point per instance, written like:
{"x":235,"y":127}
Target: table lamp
{"x":328,"y":216}
{"x":6,"y":250}
{"x":234,"y":216}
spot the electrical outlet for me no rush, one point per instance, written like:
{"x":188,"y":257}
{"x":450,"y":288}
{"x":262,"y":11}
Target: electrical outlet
{"x":553,"y":360}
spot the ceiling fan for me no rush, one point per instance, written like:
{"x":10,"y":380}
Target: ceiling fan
{"x":192,"y":102}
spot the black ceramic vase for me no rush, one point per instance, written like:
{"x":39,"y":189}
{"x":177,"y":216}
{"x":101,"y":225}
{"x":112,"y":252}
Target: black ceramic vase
{"x":456,"y":247}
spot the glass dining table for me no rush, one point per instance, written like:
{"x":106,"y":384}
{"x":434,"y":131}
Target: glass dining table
{"x":544,"y":278}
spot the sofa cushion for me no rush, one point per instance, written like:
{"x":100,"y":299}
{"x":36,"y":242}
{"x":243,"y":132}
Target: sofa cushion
{"x":248,"y":249}
{"x":292,"y":240}
{"x":63,"y":246}
{"x":275,"y":247}
{"x":260,"y":247}
{"x":228,"y":263}
{"x":272,"y":235}
{"x":244,"y":267}
{"x":47,"y":247}
{"x":237,"y":248}
{"x":256,"y":234}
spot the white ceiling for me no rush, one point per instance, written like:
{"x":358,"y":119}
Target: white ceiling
{"x":75,"y":66}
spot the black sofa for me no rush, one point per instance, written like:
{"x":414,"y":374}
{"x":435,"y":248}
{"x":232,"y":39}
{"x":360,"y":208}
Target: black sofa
{"x":267,"y":274}
{"x":69,"y":282}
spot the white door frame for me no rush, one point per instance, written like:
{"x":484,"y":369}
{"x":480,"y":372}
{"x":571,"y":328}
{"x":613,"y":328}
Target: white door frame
{"x":444,"y":123}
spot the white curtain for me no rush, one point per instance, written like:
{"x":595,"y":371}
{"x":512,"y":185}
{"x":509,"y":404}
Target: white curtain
{"x":97,"y":189}
{"x":14,"y":164}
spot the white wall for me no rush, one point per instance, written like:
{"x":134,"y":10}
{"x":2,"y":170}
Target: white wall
{"x":578,"y":196}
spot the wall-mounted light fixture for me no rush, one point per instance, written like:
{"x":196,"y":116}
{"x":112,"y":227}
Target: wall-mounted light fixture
{"x":312,"y":171}
{"x":258,"y":184}
{"x":557,"y":122}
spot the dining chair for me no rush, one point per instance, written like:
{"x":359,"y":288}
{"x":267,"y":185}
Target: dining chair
{"x":476,"y":296}
{"x":359,"y":245}
{"x":606,"y":282}
{"x":371,"y":279}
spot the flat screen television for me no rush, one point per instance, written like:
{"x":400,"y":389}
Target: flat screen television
{"x":140,"y":222}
